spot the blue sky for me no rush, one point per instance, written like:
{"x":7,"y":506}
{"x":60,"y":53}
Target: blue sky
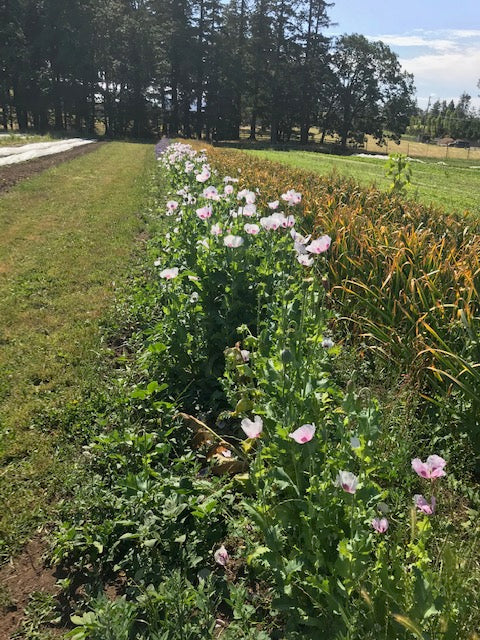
{"x":436,"y":40}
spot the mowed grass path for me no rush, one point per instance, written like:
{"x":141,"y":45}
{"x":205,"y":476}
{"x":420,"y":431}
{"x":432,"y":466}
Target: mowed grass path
{"x":66,"y":236}
{"x":455,"y":186}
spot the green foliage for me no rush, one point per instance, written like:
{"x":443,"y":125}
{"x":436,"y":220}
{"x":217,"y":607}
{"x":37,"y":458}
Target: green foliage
{"x":399,"y":170}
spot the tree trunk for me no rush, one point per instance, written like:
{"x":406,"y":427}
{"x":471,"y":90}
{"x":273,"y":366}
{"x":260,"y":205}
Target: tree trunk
{"x":305,"y":128}
{"x":253,"y":126}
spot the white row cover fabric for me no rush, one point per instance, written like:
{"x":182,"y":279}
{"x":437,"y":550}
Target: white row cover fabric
{"x":22,"y":153}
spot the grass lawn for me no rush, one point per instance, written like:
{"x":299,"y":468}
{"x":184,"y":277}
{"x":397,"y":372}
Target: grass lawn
{"x":67,"y":236}
{"x":454,"y":186}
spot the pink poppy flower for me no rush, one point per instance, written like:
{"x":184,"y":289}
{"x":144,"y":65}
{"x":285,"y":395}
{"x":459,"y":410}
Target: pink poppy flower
{"x":288,"y":222}
{"x":252,"y":229}
{"x":431,"y":469}
{"x":221,"y":556}
{"x":252,"y":428}
{"x":292,"y":197}
{"x":169,"y":274}
{"x":203,"y":177}
{"x":216,"y":230}
{"x":423,"y":505}
{"x":172,"y":205}
{"x":204,"y":212}
{"x":380,"y":524}
{"x":347,"y":480}
{"x":274,"y":204}
{"x":273,"y":222}
{"x":249,"y":196}
{"x":320,"y":245}
{"x":303,"y":434}
{"x":248,"y":210}
{"x":233,"y":241}
{"x":245,"y":355}
{"x":228,"y":190}
{"x":211,"y":193}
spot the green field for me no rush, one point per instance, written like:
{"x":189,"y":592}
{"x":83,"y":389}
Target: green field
{"x":67,"y":239}
{"x":454,"y":186}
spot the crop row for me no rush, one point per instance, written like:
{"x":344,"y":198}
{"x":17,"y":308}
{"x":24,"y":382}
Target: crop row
{"x":238,"y":489}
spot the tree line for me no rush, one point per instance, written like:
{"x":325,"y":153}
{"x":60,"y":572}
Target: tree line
{"x":443,"y":119}
{"x":198,"y":68}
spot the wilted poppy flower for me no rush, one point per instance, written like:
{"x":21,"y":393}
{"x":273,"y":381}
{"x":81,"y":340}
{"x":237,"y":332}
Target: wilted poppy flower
{"x":298,"y":238}
{"x":320,"y":245}
{"x":327,"y":343}
{"x":169,"y":274}
{"x":307,"y":261}
{"x":252,"y":229}
{"x":303,"y":434}
{"x":431,"y":469}
{"x":245,"y":355}
{"x":221,"y":556}
{"x":233,"y":241}
{"x":380,"y":524}
{"x":252,"y":428}
{"x":355,"y":442}
{"x":422,"y":504}
{"x":347,"y":480}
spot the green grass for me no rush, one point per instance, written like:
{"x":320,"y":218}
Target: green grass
{"x":454,"y":186}
{"x":68,"y":236}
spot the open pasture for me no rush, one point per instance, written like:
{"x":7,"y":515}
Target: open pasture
{"x":455,"y":185}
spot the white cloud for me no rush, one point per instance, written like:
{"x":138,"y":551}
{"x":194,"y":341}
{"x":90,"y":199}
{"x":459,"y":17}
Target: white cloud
{"x":461,"y":68}
{"x":444,"y":62}
{"x":437,"y":44}
{"x":449,"y":73}
{"x":464,"y":33}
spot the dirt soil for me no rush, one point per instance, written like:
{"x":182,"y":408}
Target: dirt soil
{"x":18,"y":579}
{"x":12,"y":174}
